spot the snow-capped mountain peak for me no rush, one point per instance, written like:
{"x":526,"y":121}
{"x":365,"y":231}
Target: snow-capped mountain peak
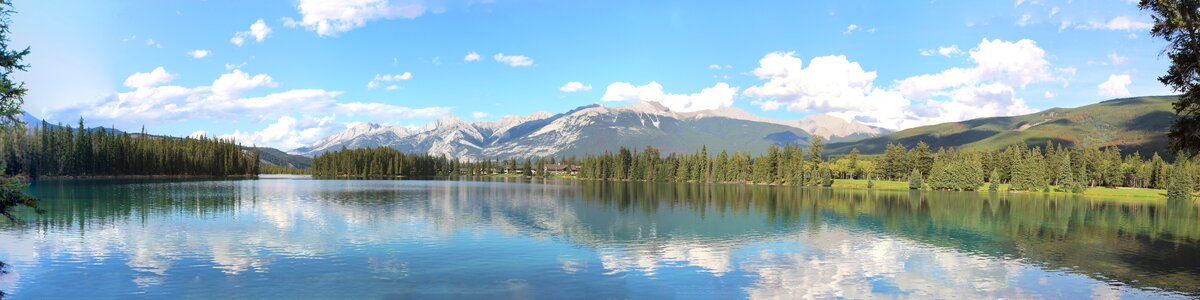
{"x":586,"y":130}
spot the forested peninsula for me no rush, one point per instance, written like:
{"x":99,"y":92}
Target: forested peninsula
{"x":46,"y":150}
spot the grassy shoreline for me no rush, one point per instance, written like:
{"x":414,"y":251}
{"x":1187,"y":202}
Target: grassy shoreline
{"x":1102,"y":192}
{"x":107,"y":177}
{"x":1124,"y":193}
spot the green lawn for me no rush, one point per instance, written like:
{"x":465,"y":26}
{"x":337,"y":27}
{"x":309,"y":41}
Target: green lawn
{"x":1121,"y":192}
{"x":862,"y":184}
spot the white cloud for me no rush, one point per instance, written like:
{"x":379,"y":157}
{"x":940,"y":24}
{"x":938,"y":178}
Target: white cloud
{"x":1116,"y":86}
{"x":717,"y":96}
{"x":152,"y":43}
{"x":383,"y":112}
{"x":855,"y":28}
{"x":1014,"y":63}
{"x":1018,"y":3}
{"x":851,"y":29}
{"x":198,"y":53}
{"x":830,"y":84}
{"x":392,"y":87}
{"x":381,"y":78}
{"x":1117,"y":59}
{"x":288,"y":132}
{"x":624,"y":91}
{"x":145,"y":80}
{"x":714,"y":67}
{"x":1025,"y":20}
{"x":479,"y":115}
{"x":1048,"y":95}
{"x":575,"y":86}
{"x":978,"y":101}
{"x":231,"y":85}
{"x":471,"y":56}
{"x":1054,"y":11}
{"x":151,"y":102}
{"x":946,"y":51}
{"x":837,"y":86}
{"x":259,"y":31}
{"x":513,"y":60}
{"x":231,"y":67}
{"x":1119,"y":23}
{"x":198,"y":134}
{"x":330,"y":17}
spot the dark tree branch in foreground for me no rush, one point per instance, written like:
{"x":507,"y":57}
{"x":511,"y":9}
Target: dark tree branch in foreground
{"x":1178,"y":22}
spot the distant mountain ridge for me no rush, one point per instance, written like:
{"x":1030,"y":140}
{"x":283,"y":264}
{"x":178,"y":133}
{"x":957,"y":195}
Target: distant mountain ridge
{"x":585,"y":130}
{"x":1131,"y":124}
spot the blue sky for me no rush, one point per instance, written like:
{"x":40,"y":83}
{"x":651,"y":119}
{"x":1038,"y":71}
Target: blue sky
{"x":311,"y":67}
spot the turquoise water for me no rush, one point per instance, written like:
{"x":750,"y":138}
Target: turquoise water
{"x":295,"y":238}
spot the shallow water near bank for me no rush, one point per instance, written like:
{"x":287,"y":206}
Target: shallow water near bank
{"x":294,"y":237}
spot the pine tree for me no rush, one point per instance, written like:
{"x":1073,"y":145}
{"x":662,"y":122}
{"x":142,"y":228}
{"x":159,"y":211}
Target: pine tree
{"x":914,"y":180}
{"x":528,"y":170}
{"x":894,"y":163}
{"x":921,"y":158}
{"x":994,"y":181}
{"x":1180,"y":186}
{"x":1065,"y":178}
{"x":853,"y":157}
{"x":1078,"y":181}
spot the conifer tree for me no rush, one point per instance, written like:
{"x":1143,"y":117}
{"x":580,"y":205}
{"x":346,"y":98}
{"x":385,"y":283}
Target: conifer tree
{"x":921,"y":157}
{"x":1180,"y":186}
{"x":994,"y":181}
{"x":1078,"y":181}
{"x":914,"y":180}
{"x":853,"y":165}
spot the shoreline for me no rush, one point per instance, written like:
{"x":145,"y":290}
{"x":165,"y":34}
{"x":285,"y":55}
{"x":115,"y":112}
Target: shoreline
{"x":1115,"y":193}
{"x":1124,"y":193}
{"x":94,"y":177}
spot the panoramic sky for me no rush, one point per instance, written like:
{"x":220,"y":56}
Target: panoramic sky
{"x":285,"y":73}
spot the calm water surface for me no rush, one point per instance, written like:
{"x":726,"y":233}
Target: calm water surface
{"x":300,"y":238}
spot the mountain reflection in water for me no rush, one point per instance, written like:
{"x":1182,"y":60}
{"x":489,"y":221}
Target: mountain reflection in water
{"x":507,"y":238}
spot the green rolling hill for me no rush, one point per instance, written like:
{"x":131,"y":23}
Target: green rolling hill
{"x":276,"y":157}
{"x":1131,"y":124}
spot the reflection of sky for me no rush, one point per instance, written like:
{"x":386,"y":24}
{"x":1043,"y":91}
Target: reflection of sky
{"x":381,"y":238}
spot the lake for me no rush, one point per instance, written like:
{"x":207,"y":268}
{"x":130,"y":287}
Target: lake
{"x":296,"y":238}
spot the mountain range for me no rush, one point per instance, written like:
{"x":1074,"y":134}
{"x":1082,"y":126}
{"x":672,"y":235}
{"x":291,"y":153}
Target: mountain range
{"x":594,"y":129}
{"x":1131,"y":124}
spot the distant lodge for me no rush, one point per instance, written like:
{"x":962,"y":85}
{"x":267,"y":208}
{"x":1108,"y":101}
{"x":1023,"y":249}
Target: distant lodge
{"x":553,"y":169}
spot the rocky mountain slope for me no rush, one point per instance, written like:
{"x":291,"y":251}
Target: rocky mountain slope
{"x":585,"y":130}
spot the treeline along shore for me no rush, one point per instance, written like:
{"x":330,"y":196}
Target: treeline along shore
{"x":1017,"y":167}
{"x":56,"y":151}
